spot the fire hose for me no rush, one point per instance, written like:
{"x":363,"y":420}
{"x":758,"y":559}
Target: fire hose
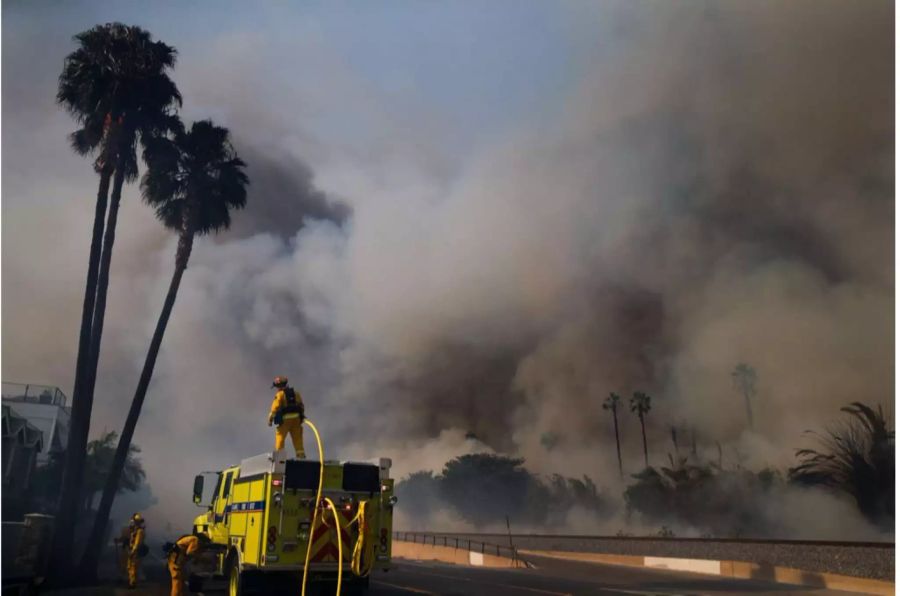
{"x":359,"y":550}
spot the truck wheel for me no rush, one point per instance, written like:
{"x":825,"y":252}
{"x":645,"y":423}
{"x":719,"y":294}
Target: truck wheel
{"x":235,"y":579}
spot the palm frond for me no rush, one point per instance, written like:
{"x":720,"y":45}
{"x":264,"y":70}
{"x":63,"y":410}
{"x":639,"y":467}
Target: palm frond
{"x":854,"y":457}
{"x":195,"y":171}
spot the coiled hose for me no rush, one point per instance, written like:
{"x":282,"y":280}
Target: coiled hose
{"x":359,"y":549}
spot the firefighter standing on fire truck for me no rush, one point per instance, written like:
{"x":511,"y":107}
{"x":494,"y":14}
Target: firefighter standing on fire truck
{"x":287,"y":415}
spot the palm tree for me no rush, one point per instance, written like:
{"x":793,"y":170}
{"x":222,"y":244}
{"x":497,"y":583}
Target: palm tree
{"x":857,"y":459}
{"x":612,"y":404}
{"x":640,"y":405}
{"x":99,"y":457}
{"x":193,"y":181}
{"x":115,"y":86}
{"x":744,"y":378}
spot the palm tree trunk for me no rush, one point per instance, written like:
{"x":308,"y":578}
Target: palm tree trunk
{"x":618,"y":448}
{"x":109,"y":239}
{"x":64,"y":527}
{"x":94,"y":545}
{"x":644,"y":437}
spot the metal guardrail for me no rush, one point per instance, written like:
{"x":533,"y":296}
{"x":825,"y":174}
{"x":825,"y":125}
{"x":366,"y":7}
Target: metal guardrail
{"x":673,"y":539}
{"x":460,"y":542}
{"x":35,"y":394}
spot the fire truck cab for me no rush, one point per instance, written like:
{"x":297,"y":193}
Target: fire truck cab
{"x":260,"y":518}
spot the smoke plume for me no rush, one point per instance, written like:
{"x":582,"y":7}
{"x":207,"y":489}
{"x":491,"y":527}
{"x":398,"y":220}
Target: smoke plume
{"x":715,"y":186}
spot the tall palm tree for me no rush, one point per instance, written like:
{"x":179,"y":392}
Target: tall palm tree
{"x":115,"y":86}
{"x":612,"y":404}
{"x":193,"y":181}
{"x":640,"y":405}
{"x":744,"y":378}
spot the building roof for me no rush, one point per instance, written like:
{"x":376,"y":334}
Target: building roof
{"x":19,"y":429}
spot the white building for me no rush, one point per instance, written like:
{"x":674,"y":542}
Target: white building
{"x":44,"y":407}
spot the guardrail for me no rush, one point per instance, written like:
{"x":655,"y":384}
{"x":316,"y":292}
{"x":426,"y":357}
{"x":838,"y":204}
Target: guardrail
{"x":672,"y":539}
{"x":35,"y":394}
{"x":863,"y":559}
{"x":457,"y":542}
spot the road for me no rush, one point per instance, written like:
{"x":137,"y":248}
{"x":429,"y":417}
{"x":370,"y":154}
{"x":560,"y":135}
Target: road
{"x":550,"y":578}
{"x":558,"y":578}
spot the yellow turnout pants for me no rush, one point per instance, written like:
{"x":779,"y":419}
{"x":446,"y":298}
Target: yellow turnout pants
{"x":133,"y":562}
{"x":177,"y":573}
{"x":294,"y":427}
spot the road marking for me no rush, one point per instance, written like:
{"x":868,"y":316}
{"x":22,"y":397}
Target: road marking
{"x":399,"y":587}
{"x":496,"y":585}
{"x":706,"y":566}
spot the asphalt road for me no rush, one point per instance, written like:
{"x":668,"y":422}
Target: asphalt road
{"x":551,"y":578}
{"x":558,"y":578}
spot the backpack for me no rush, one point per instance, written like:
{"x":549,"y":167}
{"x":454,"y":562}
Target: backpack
{"x":291,"y":406}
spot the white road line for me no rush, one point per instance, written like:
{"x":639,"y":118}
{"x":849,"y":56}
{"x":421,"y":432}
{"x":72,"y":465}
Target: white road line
{"x":405,"y":588}
{"x":496,"y":585}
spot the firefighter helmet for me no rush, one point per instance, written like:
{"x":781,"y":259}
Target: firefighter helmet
{"x":280,"y":382}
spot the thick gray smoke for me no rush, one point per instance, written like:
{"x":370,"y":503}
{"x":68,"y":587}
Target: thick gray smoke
{"x":717,"y":188}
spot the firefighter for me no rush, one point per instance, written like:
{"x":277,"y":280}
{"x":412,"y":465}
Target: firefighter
{"x":135,"y":548}
{"x":287,"y":415}
{"x":121,"y":543}
{"x":179,"y":555}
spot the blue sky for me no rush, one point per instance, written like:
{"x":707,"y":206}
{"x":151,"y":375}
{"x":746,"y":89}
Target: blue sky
{"x":481,"y":67}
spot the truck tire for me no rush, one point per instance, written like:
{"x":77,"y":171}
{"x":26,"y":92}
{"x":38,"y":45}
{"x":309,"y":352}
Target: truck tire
{"x":235,"y":579}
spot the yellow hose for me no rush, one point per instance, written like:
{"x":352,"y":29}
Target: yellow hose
{"x":360,"y":516}
{"x":360,"y":546}
{"x":337,"y":526}
{"x":312,"y":525}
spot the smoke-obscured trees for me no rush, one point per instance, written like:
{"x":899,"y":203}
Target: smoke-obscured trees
{"x":484,"y":488}
{"x":725,"y":503}
{"x":612,"y":404}
{"x":854,"y":458}
{"x":99,"y":460}
{"x":744,"y":379}
{"x":640,"y":405}
{"x":48,"y":478}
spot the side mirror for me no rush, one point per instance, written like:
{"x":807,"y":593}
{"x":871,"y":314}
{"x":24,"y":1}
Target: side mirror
{"x":198,"y":489}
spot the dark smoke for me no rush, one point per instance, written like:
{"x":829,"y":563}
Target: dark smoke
{"x":716,"y":187}
{"x":283,"y":196}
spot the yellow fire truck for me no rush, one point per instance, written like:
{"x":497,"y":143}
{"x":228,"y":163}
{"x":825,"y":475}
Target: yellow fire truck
{"x":264,"y":523}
